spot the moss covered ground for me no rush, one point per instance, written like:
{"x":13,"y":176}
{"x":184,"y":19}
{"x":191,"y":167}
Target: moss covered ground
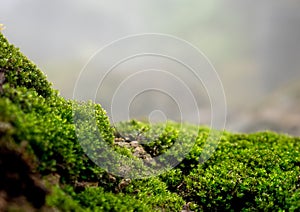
{"x":44,"y":168}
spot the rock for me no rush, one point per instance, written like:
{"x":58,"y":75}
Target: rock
{"x":111,"y":178}
{"x":124,"y":183}
{"x":123,"y":144}
{"x":119,"y":140}
{"x":139,"y":151}
{"x":134,"y":143}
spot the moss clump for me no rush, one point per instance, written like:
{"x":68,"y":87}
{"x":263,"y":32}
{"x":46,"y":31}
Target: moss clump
{"x":246,"y":172}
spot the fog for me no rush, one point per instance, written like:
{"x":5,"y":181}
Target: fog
{"x":252,"y":45}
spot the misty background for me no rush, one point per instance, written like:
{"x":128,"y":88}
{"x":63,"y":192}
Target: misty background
{"x":253,"y":45}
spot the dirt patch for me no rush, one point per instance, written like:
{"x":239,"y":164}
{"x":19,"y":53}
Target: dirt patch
{"x":20,"y":187}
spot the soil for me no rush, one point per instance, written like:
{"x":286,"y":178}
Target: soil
{"x":20,"y":187}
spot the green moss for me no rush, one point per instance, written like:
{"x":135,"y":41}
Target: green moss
{"x":246,"y":172}
{"x":20,"y":72}
{"x":96,"y":199}
{"x":62,"y":201}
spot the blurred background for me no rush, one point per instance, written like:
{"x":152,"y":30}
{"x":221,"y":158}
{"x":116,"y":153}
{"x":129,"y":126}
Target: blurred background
{"x":253,"y":45}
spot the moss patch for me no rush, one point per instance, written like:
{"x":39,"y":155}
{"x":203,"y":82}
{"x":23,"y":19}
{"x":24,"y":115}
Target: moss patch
{"x":246,"y":172}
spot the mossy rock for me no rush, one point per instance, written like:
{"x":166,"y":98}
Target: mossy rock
{"x":246,"y":172}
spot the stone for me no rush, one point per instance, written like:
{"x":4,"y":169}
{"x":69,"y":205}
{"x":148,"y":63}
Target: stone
{"x":134,"y":143}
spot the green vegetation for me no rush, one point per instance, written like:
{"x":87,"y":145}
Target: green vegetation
{"x":37,"y":136}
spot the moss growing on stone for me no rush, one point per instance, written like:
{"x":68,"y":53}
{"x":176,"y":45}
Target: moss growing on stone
{"x":246,"y":172}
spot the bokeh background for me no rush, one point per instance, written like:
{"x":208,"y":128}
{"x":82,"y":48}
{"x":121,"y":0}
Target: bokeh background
{"x":254,"y":46}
